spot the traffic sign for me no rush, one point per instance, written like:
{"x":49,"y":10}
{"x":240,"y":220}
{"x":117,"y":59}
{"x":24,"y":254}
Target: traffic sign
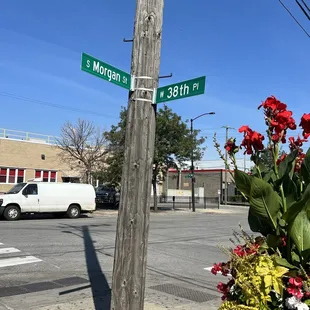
{"x":188,"y":176}
{"x":181,"y":90}
{"x":105,"y":71}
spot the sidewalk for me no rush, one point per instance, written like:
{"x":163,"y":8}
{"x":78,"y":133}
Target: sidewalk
{"x":180,"y":211}
{"x":88,"y":304}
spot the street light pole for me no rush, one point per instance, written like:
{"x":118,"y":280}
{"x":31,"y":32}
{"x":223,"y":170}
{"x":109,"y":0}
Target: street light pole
{"x":193,"y":169}
{"x":192,"y":159}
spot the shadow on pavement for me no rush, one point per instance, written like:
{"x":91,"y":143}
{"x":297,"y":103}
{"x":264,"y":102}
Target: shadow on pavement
{"x":98,"y":283}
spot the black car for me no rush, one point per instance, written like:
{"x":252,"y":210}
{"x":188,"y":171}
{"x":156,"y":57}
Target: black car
{"x":106,"y":195}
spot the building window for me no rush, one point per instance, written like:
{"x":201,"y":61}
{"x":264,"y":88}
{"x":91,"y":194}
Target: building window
{"x":46,"y":176}
{"x":20,"y":175}
{"x":11,"y":175}
{"x":3,"y":172}
{"x":53,"y":176}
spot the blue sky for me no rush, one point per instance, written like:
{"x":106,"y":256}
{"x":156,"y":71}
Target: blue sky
{"x":247,"y":49}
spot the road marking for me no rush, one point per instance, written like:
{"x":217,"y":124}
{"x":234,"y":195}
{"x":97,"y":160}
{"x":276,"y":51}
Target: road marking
{"x":1,"y":243}
{"x":208,"y":268}
{"x":14,"y":261}
{"x":9,"y":250}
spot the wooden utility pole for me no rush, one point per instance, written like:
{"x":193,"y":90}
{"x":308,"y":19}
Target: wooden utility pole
{"x":129,"y":270}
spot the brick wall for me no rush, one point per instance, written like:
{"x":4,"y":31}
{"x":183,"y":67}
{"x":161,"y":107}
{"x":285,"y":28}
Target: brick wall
{"x":27,"y":155}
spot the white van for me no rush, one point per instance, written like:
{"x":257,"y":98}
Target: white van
{"x":38,"y":197}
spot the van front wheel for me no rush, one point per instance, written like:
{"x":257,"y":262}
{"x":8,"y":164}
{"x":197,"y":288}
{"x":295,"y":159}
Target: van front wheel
{"x":74,"y":211}
{"x":12,"y":213}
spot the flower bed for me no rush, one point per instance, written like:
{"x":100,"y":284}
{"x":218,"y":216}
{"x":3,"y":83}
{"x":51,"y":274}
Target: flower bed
{"x":271,"y":270}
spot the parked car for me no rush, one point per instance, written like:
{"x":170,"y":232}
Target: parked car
{"x":106,"y":194}
{"x":40,"y":197}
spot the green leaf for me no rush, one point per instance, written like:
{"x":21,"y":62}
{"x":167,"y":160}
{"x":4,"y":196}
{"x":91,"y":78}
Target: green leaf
{"x":269,"y":176}
{"x":299,"y":229}
{"x":290,"y":190}
{"x":283,"y":262}
{"x":273,"y":241}
{"x":243,"y":182}
{"x":258,"y":225}
{"x":295,"y":258}
{"x":296,"y":207}
{"x":264,"y":202}
{"x":286,"y":165}
{"x":305,"y":168}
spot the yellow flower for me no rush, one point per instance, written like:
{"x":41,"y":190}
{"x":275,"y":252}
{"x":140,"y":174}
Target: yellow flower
{"x":231,"y":305}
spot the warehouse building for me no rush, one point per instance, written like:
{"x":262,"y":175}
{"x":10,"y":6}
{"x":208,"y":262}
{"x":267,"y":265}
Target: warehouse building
{"x":25,"y":156}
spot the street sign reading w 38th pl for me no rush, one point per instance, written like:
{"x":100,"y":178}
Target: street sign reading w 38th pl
{"x":181,"y":90}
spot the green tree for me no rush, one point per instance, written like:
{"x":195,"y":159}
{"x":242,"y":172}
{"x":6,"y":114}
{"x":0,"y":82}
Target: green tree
{"x":173,"y":143}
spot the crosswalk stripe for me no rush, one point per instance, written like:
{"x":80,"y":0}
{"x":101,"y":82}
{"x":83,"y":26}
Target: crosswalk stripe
{"x":9,"y":250}
{"x":14,"y":261}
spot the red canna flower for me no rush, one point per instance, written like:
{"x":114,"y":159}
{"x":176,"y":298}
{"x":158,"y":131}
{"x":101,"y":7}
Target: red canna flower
{"x":273,"y":104}
{"x":282,"y":157}
{"x":278,"y":118}
{"x":231,"y":146}
{"x":252,"y":141}
{"x":296,"y":145}
{"x":305,"y":124}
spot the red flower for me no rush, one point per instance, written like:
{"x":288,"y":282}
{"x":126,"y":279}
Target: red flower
{"x":220,"y":267}
{"x":278,"y":118}
{"x":216,"y":268}
{"x":295,"y":292}
{"x":283,"y":240}
{"x":253,"y":141}
{"x":296,"y":282}
{"x":305,"y":124}
{"x":225,"y":288}
{"x":299,"y":160}
{"x":239,"y":251}
{"x":244,"y":129}
{"x":253,"y":249}
{"x":282,"y":157}
{"x":273,"y":104}
{"x":231,"y":146}
{"x":295,"y":287}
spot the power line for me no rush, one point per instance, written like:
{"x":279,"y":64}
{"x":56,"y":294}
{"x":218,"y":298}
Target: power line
{"x":303,"y":10}
{"x":298,"y":23}
{"x":53,"y":105}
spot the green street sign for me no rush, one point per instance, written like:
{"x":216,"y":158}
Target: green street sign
{"x":181,"y":90}
{"x":105,"y":71}
{"x":188,"y":176}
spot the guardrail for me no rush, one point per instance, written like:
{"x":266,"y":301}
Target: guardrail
{"x":27,"y":136}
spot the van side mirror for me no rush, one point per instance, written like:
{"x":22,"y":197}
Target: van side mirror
{"x":25,"y":192}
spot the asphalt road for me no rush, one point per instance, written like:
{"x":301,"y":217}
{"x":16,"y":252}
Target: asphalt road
{"x":45,"y":261}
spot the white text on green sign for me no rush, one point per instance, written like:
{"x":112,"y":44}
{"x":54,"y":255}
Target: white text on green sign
{"x":181,"y":90}
{"x":105,"y":71}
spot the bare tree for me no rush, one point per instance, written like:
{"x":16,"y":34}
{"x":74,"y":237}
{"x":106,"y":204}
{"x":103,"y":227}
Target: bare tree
{"x":82,"y":145}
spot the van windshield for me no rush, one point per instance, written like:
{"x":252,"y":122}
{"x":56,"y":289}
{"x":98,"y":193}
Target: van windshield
{"x":16,"y":189}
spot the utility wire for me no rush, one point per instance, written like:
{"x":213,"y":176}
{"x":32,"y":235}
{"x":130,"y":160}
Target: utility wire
{"x":53,"y":105}
{"x":298,"y":23}
{"x":303,"y":10}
